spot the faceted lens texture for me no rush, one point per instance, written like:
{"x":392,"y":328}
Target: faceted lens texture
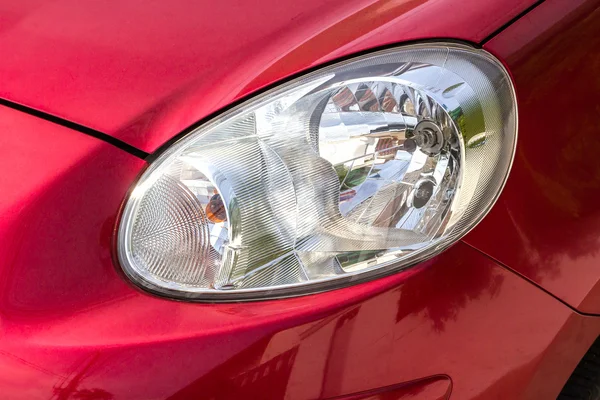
{"x":349,"y":173}
{"x":170,"y":235}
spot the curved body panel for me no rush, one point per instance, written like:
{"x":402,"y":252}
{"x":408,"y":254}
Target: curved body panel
{"x":145,"y":71}
{"x":546,"y":224}
{"x":460,"y":325}
{"x":72,"y":325}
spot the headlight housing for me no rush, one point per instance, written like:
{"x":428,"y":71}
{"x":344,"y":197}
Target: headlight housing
{"x":356,"y":170}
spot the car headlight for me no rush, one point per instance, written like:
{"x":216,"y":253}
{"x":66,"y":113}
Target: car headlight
{"x":356,"y":170}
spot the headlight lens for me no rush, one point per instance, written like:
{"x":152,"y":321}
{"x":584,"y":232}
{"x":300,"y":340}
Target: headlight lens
{"x":354,"y":171}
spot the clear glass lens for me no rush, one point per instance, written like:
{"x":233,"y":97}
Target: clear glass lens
{"x":348,"y":173}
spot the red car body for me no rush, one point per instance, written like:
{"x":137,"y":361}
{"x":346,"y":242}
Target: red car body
{"x":90,"y":88}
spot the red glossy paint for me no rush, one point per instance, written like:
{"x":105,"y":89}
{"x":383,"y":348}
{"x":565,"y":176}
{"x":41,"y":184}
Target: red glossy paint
{"x":73,"y":327}
{"x":458,"y":325}
{"x":145,"y":70}
{"x":546,"y":224}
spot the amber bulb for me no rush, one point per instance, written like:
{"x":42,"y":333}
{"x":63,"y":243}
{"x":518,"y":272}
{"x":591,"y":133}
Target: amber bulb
{"x":215,"y":209}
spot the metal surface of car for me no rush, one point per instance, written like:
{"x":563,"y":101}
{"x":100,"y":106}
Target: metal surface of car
{"x":92,"y":92}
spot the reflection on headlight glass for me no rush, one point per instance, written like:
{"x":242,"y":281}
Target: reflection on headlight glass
{"x":359,"y":169}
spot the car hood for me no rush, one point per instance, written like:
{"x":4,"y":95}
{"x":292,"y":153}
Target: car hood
{"x":144,"y":70}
